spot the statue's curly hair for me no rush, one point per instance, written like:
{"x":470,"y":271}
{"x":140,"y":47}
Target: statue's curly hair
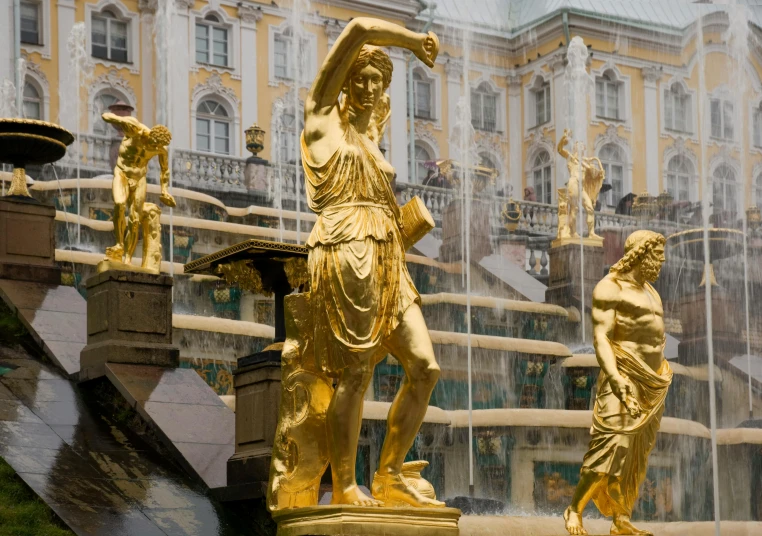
{"x":160,"y":135}
{"x":637,"y":245}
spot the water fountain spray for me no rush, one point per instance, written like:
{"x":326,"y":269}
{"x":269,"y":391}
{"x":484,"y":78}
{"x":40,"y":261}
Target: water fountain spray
{"x":82,"y":70}
{"x":298,"y":65}
{"x":277,"y":142}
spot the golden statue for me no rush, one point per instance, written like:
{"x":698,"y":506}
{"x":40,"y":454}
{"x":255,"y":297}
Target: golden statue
{"x":362,"y":302}
{"x":628,"y":331}
{"x":592,"y":178}
{"x":131,"y":212}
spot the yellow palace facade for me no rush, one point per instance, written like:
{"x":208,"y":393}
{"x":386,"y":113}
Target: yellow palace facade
{"x":664,"y":112}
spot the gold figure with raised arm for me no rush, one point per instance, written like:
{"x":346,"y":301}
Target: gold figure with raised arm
{"x":591,"y":176}
{"x":131,"y":212}
{"x":362,"y":302}
{"x":629,"y":339}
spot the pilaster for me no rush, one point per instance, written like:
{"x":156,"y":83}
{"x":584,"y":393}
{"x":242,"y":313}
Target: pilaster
{"x":249,"y":16}
{"x":180,"y":73}
{"x":398,"y":123}
{"x":515,"y":142}
{"x":557,"y":64}
{"x":651,"y":77}
{"x":67,"y":85}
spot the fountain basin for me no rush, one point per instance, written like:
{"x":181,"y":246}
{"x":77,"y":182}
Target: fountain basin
{"x":28,"y":141}
{"x":689,"y":244}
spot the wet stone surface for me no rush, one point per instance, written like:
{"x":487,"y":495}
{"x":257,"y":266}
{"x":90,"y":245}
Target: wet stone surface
{"x":98,"y":476}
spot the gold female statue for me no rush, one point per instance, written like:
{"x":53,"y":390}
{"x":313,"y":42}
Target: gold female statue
{"x":363,"y":301}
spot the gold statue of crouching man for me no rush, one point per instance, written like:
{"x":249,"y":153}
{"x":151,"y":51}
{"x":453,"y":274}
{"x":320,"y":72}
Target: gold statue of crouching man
{"x":131,"y":212}
{"x":628,"y":331}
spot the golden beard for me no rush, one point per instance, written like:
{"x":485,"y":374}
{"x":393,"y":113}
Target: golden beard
{"x":650,"y":268}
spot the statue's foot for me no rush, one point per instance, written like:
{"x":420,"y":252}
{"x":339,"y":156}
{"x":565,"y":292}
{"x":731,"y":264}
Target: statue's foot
{"x":355,"y":497}
{"x":623,"y":525}
{"x":574,"y":522}
{"x":115,"y":253}
{"x":593,"y":235}
{"x":393,"y":490}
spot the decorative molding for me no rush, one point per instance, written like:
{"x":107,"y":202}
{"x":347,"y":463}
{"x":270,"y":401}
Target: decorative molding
{"x":513,"y":79}
{"x":38,"y":77}
{"x":611,"y":135}
{"x":539,"y":141}
{"x":249,"y":14}
{"x":557,"y":61}
{"x":112,"y":79}
{"x":651,"y":74}
{"x":148,"y":7}
{"x":214,"y":86}
{"x":424,"y":134}
{"x":184,"y":4}
{"x":332,"y":29}
{"x":453,"y":69}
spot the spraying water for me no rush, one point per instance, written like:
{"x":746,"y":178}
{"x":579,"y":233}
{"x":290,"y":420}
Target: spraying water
{"x":21,"y":77}
{"x":7,"y":99}
{"x":81,"y":68}
{"x":298,"y":9}
{"x":277,"y":141}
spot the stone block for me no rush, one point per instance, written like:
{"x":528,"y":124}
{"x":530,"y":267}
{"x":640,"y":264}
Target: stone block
{"x":452,"y":247}
{"x":129,"y":320}
{"x":565,"y":278}
{"x":27,"y":241}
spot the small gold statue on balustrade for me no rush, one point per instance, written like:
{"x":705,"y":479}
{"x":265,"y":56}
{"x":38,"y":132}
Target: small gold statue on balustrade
{"x":629,"y":338}
{"x":131,"y":212}
{"x":591,"y":177}
{"x":362,"y":303}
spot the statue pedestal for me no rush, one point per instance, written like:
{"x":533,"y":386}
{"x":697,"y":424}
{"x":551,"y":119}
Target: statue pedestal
{"x":453,"y":241}
{"x":27,"y":241}
{"x":564,"y":281}
{"x":337,"y":520}
{"x":129,"y":320}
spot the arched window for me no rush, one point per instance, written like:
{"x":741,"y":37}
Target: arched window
{"x":677,"y":106}
{"x":484,"y":108}
{"x":607,"y":90}
{"x":422,"y":96}
{"x":758,"y":191}
{"x":289,"y":135}
{"x":212,"y":128}
{"x":541,"y":169}
{"x":724,"y":189}
{"x":612,"y":159}
{"x":757,"y":126}
{"x":422,"y":156}
{"x":721,"y":115}
{"x":109,"y":37}
{"x":32,"y":101}
{"x":211,"y":41}
{"x":540,"y":95}
{"x":103,"y":100}
{"x":679,"y":175}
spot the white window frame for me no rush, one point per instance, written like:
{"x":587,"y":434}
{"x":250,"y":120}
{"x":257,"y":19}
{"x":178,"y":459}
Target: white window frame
{"x":133,"y":34}
{"x":423,"y":146}
{"x":233,"y":119}
{"x":608,"y":84}
{"x":547,"y":197}
{"x":38,"y":21}
{"x":213,"y":120}
{"x":756,"y":186}
{"x":40,"y":100}
{"x":679,"y":175}
{"x":434,"y":82}
{"x":210,"y":26}
{"x":530,"y":103}
{"x":624,"y":85}
{"x":755,"y":125}
{"x":679,"y":148}
{"x":486,"y":86}
{"x":38,"y":79}
{"x":232,"y":25}
{"x":612,"y":198}
{"x":291,"y":134}
{"x":691,"y":120}
{"x":726,"y":116}
{"x":43,"y":13}
{"x":309,"y":58}
{"x":738,"y":185}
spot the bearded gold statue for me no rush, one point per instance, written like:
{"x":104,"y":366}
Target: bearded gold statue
{"x":362,"y":302}
{"x":628,"y":331}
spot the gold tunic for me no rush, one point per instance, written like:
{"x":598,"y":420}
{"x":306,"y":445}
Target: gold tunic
{"x":620,"y":443}
{"x":360,"y":285}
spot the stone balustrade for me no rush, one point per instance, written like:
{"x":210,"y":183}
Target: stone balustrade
{"x":208,"y":172}
{"x":93,"y":154}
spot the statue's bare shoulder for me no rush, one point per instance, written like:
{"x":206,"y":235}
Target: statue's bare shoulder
{"x":607,"y":293}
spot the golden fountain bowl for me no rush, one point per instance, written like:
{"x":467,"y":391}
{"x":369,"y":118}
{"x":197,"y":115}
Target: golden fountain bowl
{"x":28,"y":141}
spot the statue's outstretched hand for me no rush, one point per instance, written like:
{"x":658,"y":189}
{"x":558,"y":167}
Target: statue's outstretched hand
{"x":167,"y":199}
{"x":429,"y":48}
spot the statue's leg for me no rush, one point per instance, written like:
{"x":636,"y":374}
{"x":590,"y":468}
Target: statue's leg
{"x":588,"y":484}
{"x":622,"y":523}
{"x":587,"y":203}
{"x":411,"y":345}
{"x":120,"y":192}
{"x":138,"y":198}
{"x":572,"y":215}
{"x":344,"y":419}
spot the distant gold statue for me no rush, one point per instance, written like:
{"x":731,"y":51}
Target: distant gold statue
{"x":628,"y":331}
{"x":131,"y":212}
{"x":592,"y":180}
{"x":362,"y":302}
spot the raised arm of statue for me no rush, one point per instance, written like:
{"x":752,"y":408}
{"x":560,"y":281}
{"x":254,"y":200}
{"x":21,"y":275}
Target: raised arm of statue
{"x":129,"y":125}
{"x":562,"y":143}
{"x":324,"y":93}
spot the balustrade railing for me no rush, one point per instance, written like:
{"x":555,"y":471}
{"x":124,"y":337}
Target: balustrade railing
{"x":208,"y":171}
{"x":93,"y":154}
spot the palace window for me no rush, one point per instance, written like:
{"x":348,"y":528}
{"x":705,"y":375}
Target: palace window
{"x":212,"y":128}
{"x":541,"y":95}
{"x":30,"y":23}
{"x":422,"y":156}
{"x":541,"y":174}
{"x":677,"y":106}
{"x":612,"y":159}
{"x":101,"y":104}
{"x":484,"y":108}
{"x":422,"y":88}
{"x":212,"y":42}
{"x":680,"y":173}
{"x":607,"y":91}
{"x":724,"y":189}
{"x":32,"y":102}
{"x":288,"y":136}
{"x":109,"y":37}
{"x":757,"y":126}
{"x":758,"y":191}
{"x":721,"y":114}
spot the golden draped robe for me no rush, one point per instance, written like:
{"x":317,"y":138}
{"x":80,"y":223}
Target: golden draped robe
{"x":359,"y":283}
{"x":620,"y":443}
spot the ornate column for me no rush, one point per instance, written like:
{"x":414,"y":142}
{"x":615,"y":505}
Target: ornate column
{"x":514,"y":134}
{"x":250,"y":16}
{"x":145,"y":111}
{"x":67,"y":86}
{"x":651,"y":77}
{"x":557,"y":64}
{"x":180,"y":76}
{"x":398,"y":128}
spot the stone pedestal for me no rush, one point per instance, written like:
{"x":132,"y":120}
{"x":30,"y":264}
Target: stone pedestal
{"x":453,"y":241}
{"x":129,"y":320}
{"x":27,"y":241}
{"x":727,"y":323}
{"x":256,"y":173}
{"x":564,"y":282}
{"x":367,"y":521}
{"x":257,"y":401}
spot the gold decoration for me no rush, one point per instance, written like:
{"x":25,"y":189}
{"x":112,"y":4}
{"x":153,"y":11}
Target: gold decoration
{"x":360,"y":292}
{"x":296,"y":272}
{"x":131,"y":212}
{"x":585,"y":180}
{"x":255,"y":139}
{"x":481,"y":176}
{"x":632,"y":384}
{"x":243,"y":274}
